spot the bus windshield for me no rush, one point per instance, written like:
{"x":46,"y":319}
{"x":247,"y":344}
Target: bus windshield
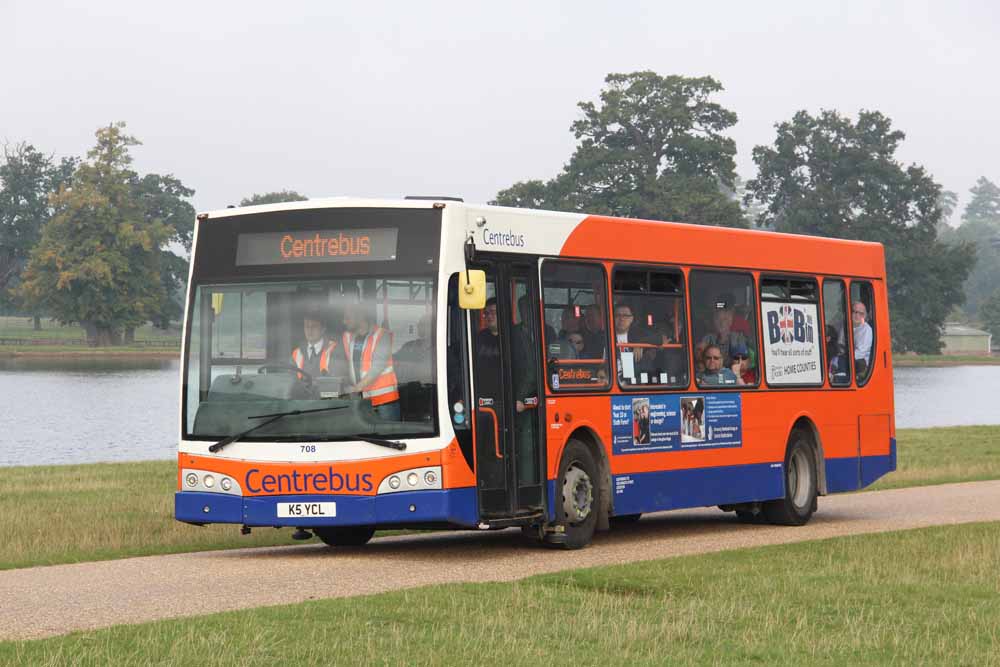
{"x":263,"y":348}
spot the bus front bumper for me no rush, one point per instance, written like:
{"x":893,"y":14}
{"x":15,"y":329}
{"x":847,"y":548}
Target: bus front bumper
{"x":456,"y":506}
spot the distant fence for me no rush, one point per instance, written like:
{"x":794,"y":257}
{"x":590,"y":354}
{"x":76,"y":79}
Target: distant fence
{"x":11,"y":340}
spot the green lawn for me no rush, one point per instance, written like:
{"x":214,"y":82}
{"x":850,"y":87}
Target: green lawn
{"x":929,"y":596}
{"x":147,"y":337}
{"x":116,"y":510}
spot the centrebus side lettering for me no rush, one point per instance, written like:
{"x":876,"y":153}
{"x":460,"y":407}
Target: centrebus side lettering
{"x":507,"y":239}
{"x":296,"y":482}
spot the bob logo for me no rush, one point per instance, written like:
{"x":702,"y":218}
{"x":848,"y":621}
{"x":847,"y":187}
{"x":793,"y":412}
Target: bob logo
{"x":790,"y":325}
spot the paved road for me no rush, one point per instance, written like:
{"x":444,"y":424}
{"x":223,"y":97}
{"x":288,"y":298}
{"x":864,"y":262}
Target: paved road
{"x":45,"y":601}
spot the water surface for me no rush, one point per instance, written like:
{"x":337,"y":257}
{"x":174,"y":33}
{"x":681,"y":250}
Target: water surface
{"x":64,"y":410}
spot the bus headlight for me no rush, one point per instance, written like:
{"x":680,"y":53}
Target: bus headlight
{"x":226,"y":484}
{"x":427,"y":478}
{"x":209,"y":481}
{"x":191,"y":479}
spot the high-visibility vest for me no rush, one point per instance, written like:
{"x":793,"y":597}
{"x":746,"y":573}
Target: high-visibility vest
{"x":384,"y":388}
{"x":299,"y":359}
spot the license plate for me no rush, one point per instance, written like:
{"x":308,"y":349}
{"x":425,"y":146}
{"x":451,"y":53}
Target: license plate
{"x":305,"y":510}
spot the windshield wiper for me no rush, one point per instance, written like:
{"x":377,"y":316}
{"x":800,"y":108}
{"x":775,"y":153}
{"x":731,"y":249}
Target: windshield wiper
{"x":381,"y":442}
{"x":270,"y":420}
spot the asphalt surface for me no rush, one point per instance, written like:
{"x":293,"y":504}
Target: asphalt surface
{"x":45,"y":601}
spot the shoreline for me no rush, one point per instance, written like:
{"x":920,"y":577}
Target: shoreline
{"x":924,"y":362}
{"x":91,"y":353}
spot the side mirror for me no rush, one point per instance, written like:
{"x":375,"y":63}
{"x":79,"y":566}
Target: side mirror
{"x":472,"y":290}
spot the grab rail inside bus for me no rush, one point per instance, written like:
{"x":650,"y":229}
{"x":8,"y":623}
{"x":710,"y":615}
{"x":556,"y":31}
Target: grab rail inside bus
{"x":496,"y":429}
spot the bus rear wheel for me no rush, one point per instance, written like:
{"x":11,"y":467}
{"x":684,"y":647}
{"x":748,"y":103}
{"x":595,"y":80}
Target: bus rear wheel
{"x":799,"y":503}
{"x":345,"y":536}
{"x":578,"y":495}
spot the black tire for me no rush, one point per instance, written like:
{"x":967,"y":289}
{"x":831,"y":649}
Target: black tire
{"x":625,"y":519}
{"x":346,"y":536}
{"x":799,"y":503}
{"x":578,"y":495}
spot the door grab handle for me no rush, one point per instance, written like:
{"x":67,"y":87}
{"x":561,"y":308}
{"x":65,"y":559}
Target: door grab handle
{"x":496,"y":430}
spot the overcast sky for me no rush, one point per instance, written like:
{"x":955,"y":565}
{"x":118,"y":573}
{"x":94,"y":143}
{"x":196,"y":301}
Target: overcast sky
{"x":466,"y":98}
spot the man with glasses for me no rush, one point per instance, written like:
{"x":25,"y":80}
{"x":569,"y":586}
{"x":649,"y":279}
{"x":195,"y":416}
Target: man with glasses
{"x":862,"y":338}
{"x":715,"y":373}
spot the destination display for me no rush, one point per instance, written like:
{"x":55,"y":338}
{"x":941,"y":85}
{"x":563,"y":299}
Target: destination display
{"x":314,"y":247}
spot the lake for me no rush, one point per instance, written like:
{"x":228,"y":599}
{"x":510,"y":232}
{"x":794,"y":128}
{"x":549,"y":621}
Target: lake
{"x":84,"y":411}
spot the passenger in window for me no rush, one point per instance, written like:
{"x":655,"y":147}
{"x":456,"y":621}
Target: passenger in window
{"x":631,"y":359}
{"x":569,"y":322}
{"x":743,"y":366}
{"x":715,"y":373}
{"x":862,"y":338}
{"x":595,"y":338}
{"x":723,"y":334}
{"x":413,"y":360}
{"x":316,"y":356}
{"x":488,"y":353}
{"x":576,"y":340}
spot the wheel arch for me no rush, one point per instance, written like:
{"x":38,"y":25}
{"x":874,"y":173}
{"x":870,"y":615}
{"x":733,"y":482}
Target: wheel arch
{"x":589,"y":437}
{"x":806,"y":423}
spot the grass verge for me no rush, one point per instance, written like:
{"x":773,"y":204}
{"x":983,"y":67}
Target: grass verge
{"x":928,"y":596}
{"x":67,"y":514}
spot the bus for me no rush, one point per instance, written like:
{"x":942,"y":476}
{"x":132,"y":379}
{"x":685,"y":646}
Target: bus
{"x":352,"y":365}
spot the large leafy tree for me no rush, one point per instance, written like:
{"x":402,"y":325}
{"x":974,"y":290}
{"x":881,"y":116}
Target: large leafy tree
{"x":985,"y":202}
{"x":27,"y":177}
{"x":98,"y":261}
{"x":654,"y":147}
{"x":980,"y":228}
{"x":277,"y":197}
{"x":989,"y":313}
{"x":163,"y":199}
{"x":828,"y":176}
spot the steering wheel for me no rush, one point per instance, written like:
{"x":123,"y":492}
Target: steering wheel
{"x":287,"y":368}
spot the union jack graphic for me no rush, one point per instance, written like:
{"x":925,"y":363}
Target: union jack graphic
{"x":786,"y":324}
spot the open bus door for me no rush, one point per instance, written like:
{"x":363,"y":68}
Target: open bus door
{"x":508,"y":405}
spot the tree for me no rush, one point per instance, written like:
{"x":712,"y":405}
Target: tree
{"x":985,"y":202}
{"x":162,"y":200}
{"x":27,"y":177}
{"x":947,"y":202}
{"x":989,"y":313}
{"x":98,"y":261}
{"x":273,"y":198}
{"x":653,"y":148}
{"x":827,"y":176}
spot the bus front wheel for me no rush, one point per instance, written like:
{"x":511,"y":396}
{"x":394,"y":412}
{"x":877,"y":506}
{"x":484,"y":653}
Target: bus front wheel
{"x":346,"y":536}
{"x":578,"y":496}
{"x":799,"y":503}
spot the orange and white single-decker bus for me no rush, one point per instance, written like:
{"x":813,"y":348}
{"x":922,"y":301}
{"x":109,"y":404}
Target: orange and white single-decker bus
{"x":356,"y":364}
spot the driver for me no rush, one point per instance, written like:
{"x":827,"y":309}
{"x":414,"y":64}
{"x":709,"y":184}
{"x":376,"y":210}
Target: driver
{"x":314,"y":357}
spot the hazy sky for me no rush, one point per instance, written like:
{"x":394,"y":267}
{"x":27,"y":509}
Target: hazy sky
{"x":465,"y":98}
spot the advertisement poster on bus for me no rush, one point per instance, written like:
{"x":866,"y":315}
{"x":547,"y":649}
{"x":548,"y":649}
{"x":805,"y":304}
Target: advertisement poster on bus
{"x":791,"y":343}
{"x":643,"y":424}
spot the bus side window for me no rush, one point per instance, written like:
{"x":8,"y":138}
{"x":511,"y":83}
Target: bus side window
{"x":838,"y":361}
{"x":650,"y":328}
{"x":863,"y":329}
{"x":575,"y":331}
{"x":724,"y":327}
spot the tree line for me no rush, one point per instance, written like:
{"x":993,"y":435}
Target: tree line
{"x":655,"y":147}
{"x":92,"y":242}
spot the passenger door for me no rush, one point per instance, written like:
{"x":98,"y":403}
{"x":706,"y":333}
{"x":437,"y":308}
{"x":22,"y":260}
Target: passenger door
{"x":506,"y":376}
